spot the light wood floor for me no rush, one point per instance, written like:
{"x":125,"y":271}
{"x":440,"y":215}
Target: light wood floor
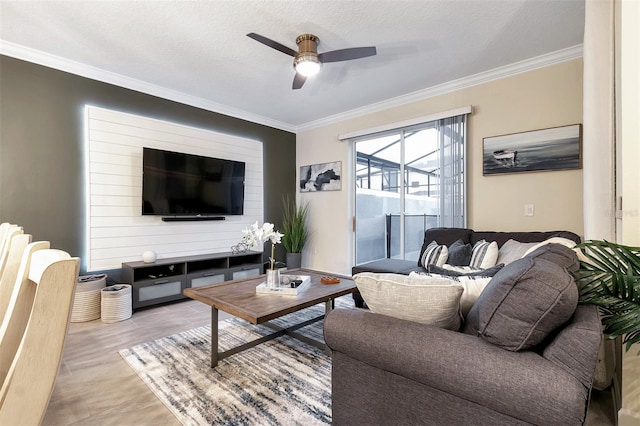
{"x":95,"y":386}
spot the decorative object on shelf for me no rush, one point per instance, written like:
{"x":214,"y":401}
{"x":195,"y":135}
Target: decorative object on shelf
{"x":609,"y":277}
{"x":294,"y":227}
{"x":262,"y":234}
{"x":239,"y":248}
{"x":149,"y":256}
{"x":557,"y":148}
{"x":321,"y":177}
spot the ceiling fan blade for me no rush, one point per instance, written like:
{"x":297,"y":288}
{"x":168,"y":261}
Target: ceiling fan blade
{"x":298,"y":81}
{"x":273,"y":44}
{"x":347,"y":54}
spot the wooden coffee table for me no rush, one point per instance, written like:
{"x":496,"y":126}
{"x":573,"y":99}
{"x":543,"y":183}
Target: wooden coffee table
{"x":239,"y":299}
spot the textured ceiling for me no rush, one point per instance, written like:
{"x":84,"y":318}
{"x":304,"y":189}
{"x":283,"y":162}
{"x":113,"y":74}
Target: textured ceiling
{"x":198,"y":51}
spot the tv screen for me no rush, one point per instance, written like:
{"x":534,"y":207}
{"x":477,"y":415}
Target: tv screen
{"x":178,"y":184}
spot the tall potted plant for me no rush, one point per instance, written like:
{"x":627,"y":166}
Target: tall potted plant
{"x":294,"y":228}
{"x":609,"y":277}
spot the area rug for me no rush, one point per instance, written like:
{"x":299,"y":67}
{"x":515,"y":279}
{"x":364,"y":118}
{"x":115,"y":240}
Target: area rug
{"x":280,"y":382}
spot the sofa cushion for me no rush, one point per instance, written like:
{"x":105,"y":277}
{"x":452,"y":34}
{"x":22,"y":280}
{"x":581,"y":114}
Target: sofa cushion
{"x":573,"y":348}
{"x":429,"y":299}
{"x":459,"y":253}
{"x":392,"y":266}
{"x":524,"y":302}
{"x":513,"y":250}
{"x":448,"y":236}
{"x":433,"y":253}
{"x":524,"y":237}
{"x":484,"y":254}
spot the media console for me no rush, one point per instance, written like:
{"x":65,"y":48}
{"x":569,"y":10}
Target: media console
{"x":165,"y":279}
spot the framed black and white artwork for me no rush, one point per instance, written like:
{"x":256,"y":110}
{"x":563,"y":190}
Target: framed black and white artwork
{"x":321,"y":177}
{"x":557,"y":148}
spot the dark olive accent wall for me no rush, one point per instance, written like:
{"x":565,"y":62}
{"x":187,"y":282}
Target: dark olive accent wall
{"x":42,"y":147}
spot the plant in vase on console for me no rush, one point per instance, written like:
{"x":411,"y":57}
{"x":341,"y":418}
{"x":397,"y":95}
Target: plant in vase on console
{"x":260,"y":235}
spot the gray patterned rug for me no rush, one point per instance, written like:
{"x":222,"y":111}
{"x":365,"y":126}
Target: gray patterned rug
{"x":280,"y":382}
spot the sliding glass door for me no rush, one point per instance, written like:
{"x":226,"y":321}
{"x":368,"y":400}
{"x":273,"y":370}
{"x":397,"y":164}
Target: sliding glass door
{"x":406,"y":181}
{"x":396,"y":193}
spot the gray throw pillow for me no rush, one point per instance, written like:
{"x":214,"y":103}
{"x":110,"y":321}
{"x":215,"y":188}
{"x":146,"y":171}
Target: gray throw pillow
{"x":459,"y":254}
{"x":558,"y":254}
{"x":524,"y":302}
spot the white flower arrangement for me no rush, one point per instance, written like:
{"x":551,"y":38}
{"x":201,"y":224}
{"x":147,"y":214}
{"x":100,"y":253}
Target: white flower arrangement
{"x":261,"y":234}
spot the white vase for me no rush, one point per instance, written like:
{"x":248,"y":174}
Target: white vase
{"x":273,"y":278}
{"x":148,"y":257}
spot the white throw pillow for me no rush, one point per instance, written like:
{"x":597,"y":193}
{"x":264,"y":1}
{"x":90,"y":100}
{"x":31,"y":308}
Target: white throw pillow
{"x":434,"y":254}
{"x":553,"y":240}
{"x":484,"y":254}
{"x":429,"y":299}
{"x":513,"y":250}
{"x":473,"y":287}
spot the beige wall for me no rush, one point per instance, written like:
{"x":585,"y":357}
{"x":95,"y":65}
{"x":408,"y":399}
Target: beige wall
{"x":543,"y":98}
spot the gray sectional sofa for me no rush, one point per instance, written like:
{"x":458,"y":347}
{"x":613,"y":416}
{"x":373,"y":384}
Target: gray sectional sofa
{"x":448,"y":236}
{"x":525,"y":355}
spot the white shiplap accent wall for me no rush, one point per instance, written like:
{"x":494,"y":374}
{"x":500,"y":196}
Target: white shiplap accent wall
{"x":116,"y":230}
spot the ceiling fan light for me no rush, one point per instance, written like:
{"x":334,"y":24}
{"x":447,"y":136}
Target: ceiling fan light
{"x":307,"y":64}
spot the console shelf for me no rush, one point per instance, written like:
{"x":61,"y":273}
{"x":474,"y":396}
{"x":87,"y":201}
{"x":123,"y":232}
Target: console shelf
{"x":165,"y":279}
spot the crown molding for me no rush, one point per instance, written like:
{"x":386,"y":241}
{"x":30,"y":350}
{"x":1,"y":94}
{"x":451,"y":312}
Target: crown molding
{"x":94,"y":73}
{"x":553,"y":58}
{"x":83,"y":70}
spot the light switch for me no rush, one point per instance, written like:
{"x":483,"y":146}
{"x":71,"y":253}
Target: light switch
{"x":528,"y":209}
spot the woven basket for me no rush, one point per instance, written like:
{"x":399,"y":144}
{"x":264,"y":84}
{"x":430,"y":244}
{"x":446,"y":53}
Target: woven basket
{"x":116,"y":303}
{"x":86,"y":301}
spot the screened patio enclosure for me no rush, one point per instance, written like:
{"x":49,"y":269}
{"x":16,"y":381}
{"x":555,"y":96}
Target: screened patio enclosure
{"x":399,"y":187}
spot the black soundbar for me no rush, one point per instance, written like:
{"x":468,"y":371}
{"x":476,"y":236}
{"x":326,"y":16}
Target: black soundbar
{"x":190,"y":218}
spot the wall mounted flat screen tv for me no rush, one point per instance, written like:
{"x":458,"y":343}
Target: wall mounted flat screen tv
{"x":178,"y":184}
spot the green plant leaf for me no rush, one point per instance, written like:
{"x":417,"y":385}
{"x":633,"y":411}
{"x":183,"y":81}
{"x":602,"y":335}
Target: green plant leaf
{"x":294,"y":225}
{"x":609,"y":277}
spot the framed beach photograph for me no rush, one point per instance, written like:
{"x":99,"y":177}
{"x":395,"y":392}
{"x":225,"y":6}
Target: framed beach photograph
{"x":557,"y":148}
{"x":321,"y":177}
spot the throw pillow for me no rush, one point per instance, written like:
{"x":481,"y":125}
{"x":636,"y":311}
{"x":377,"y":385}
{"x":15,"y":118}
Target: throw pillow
{"x":459,"y":253}
{"x":513,"y":250}
{"x":553,"y":240}
{"x":484,"y":254}
{"x":558,"y":254}
{"x":428,"y":300}
{"x":473,"y":287}
{"x":523,"y":303}
{"x":459,"y":271}
{"x":433,"y":254}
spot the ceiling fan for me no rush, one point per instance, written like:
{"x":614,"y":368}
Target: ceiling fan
{"x":307,"y":60}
